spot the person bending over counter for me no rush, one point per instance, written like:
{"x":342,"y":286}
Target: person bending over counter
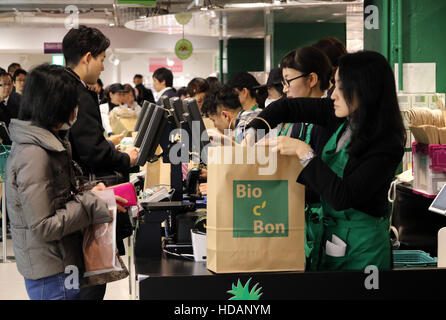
{"x":357,"y":164}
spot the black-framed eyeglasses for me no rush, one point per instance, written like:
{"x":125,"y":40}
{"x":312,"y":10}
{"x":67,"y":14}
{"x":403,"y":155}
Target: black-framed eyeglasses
{"x":287,"y":82}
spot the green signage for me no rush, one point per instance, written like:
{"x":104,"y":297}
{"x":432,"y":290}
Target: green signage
{"x":183,"y":49}
{"x":260,"y":208}
{"x":149,"y":3}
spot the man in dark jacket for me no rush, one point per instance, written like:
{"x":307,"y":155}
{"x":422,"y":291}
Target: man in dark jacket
{"x":143,"y":92}
{"x":84,"y":51}
{"x":163,"y":82}
{"x":9,"y":101}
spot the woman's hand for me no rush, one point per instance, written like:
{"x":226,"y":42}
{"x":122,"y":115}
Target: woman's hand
{"x":120,"y":200}
{"x":100,"y":186}
{"x":203,"y":188}
{"x":287,"y":146}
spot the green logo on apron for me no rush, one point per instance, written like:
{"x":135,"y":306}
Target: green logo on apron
{"x":260,"y":208}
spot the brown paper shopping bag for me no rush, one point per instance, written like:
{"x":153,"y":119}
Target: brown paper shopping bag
{"x":157,"y":172}
{"x":255,"y":219}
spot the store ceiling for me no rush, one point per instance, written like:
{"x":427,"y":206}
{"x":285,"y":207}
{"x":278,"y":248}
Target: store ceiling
{"x":241,"y":21}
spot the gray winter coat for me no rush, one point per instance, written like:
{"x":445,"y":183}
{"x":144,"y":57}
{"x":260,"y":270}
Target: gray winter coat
{"x":46,"y":215}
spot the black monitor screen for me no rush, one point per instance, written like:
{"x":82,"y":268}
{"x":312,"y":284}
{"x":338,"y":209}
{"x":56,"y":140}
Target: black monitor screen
{"x":144,"y":108}
{"x":144,"y":124}
{"x":195,"y":121}
{"x":165,"y":102}
{"x":178,"y":110}
{"x":152,"y":136}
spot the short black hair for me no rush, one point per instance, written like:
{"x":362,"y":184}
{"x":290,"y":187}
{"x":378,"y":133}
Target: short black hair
{"x":197,"y":85}
{"x":226,"y":97}
{"x":214,"y":84}
{"x":49,"y":97}
{"x":14,"y":66}
{"x":5,"y":74}
{"x":78,"y":42}
{"x":128,"y":88}
{"x":164,"y":74}
{"x":17,"y":73}
{"x":2,"y":70}
{"x":333,"y":48}
{"x":243,"y":79}
{"x":182,"y":91}
{"x":100,"y":83}
{"x":138,"y":76}
{"x":308,"y":60}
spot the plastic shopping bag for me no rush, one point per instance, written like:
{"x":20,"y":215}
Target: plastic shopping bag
{"x":99,"y":242}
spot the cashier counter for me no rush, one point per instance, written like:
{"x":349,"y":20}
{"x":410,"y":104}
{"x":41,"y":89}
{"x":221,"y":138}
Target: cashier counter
{"x":159,"y":275}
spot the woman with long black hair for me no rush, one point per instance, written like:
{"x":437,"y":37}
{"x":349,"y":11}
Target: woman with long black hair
{"x":354,"y":170}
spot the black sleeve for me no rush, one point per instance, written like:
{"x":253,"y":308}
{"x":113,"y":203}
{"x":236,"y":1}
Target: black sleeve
{"x":90,"y":147}
{"x":312,"y":110}
{"x":364,"y":188}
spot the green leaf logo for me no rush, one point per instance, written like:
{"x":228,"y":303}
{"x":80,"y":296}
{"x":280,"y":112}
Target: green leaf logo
{"x":241,"y":292}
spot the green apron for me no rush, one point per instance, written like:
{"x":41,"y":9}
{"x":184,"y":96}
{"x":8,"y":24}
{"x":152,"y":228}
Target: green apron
{"x":313,"y":216}
{"x":367,"y":237}
{"x":308,"y":133}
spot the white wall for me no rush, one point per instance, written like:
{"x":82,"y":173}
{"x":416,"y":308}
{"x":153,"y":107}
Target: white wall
{"x":200,"y":64}
{"x":134,"y":49}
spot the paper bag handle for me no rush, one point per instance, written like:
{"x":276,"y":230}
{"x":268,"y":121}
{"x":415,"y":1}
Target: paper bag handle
{"x":255,"y":117}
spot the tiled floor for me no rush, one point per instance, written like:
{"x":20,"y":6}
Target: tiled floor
{"x":12,"y":285}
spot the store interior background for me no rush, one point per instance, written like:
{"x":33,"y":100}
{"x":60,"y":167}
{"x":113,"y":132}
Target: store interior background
{"x":224,"y":41}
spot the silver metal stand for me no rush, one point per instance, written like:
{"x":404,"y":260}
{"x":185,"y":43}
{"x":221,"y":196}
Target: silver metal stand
{"x":4,"y":239}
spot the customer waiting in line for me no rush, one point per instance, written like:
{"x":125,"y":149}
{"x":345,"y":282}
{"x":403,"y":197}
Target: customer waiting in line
{"x":163,"y":84}
{"x":9,"y":100}
{"x":142,"y":93}
{"x":13,"y":67}
{"x":353,"y":172}
{"x":46,"y":210}
{"x":19,"y":79}
{"x":84,"y":52}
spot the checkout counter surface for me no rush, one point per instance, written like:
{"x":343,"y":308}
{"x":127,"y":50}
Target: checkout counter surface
{"x":171,"y":278}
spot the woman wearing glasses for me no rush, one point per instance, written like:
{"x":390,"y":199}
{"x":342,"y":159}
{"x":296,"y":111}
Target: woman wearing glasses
{"x":306,"y":73}
{"x":353,"y":172}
